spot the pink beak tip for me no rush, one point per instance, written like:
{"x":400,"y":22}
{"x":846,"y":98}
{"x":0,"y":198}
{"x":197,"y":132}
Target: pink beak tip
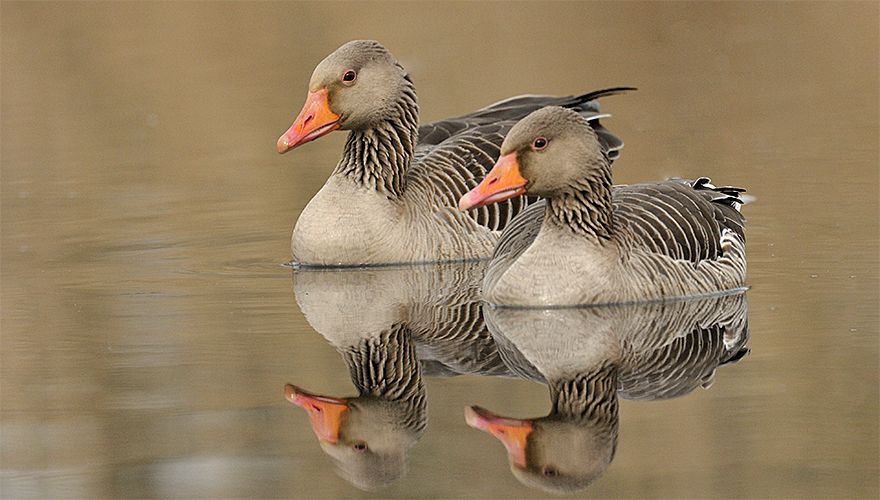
{"x":465,"y":203}
{"x":282,"y":145}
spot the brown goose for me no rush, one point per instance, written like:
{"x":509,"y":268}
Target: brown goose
{"x":590,"y":243}
{"x":392,"y":326}
{"x":391,"y":197}
{"x":589,"y":357}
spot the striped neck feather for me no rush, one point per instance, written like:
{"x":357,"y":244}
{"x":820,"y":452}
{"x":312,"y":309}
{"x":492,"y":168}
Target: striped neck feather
{"x":379,"y":157}
{"x":584,"y":207}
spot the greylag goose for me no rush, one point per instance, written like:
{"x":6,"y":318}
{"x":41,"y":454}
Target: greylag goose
{"x":391,"y":197}
{"x":590,"y":357}
{"x":392,"y":326}
{"x":590,"y":243}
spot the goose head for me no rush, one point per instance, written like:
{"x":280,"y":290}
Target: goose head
{"x":543,"y":154}
{"x":552,"y":453}
{"x":367,"y":437}
{"x":355,"y":87}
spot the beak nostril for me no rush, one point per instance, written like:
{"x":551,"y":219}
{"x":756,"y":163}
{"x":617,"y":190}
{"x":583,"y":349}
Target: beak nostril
{"x":306,"y":121}
{"x":493,"y":181}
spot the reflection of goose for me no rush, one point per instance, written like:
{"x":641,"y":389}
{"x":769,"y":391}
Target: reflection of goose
{"x":368,"y":436}
{"x":590,"y":356}
{"x":594,"y":244}
{"x":391,"y":325}
{"x":392,"y":196}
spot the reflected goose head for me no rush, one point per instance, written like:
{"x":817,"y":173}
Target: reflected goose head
{"x":353,"y":88}
{"x":543,"y":154}
{"x":367,"y":437}
{"x":552,"y":453}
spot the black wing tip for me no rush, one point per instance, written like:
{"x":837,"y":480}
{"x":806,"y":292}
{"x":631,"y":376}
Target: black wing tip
{"x":730,"y":191}
{"x":597,"y":94}
{"x":705,"y":184}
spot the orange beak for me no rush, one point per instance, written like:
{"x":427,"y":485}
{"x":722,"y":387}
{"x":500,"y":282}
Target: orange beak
{"x":514,"y":433}
{"x":503,"y":182}
{"x":313,"y":121}
{"x":325,"y":414}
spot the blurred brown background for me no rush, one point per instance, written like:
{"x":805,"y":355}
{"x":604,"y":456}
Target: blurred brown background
{"x":147,"y":329}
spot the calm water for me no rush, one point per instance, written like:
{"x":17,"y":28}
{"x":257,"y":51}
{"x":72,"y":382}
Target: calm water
{"x":148,"y":328}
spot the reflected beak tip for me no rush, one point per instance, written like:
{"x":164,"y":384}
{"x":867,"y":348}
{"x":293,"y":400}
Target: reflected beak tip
{"x":471,"y":418}
{"x":290,"y":393}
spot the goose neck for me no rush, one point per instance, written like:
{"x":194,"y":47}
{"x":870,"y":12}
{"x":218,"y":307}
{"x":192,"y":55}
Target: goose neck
{"x":378,"y":156}
{"x":584,"y":207}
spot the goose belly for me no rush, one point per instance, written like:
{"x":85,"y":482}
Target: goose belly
{"x":557,"y":272}
{"x":342,"y":226}
{"x":349,"y":225}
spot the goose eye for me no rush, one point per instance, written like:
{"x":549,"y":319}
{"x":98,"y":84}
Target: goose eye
{"x":349,"y":76}
{"x":539,"y":143}
{"x":360,"y":446}
{"x":549,"y":472}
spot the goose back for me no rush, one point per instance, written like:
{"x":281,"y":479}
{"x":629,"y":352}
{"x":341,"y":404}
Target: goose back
{"x":680,"y":218}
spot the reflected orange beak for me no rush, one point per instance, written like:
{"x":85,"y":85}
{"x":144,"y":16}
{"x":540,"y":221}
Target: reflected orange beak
{"x":514,"y":433}
{"x":501,"y":183}
{"x":325,"y":413}
{"x":313,"y":121}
